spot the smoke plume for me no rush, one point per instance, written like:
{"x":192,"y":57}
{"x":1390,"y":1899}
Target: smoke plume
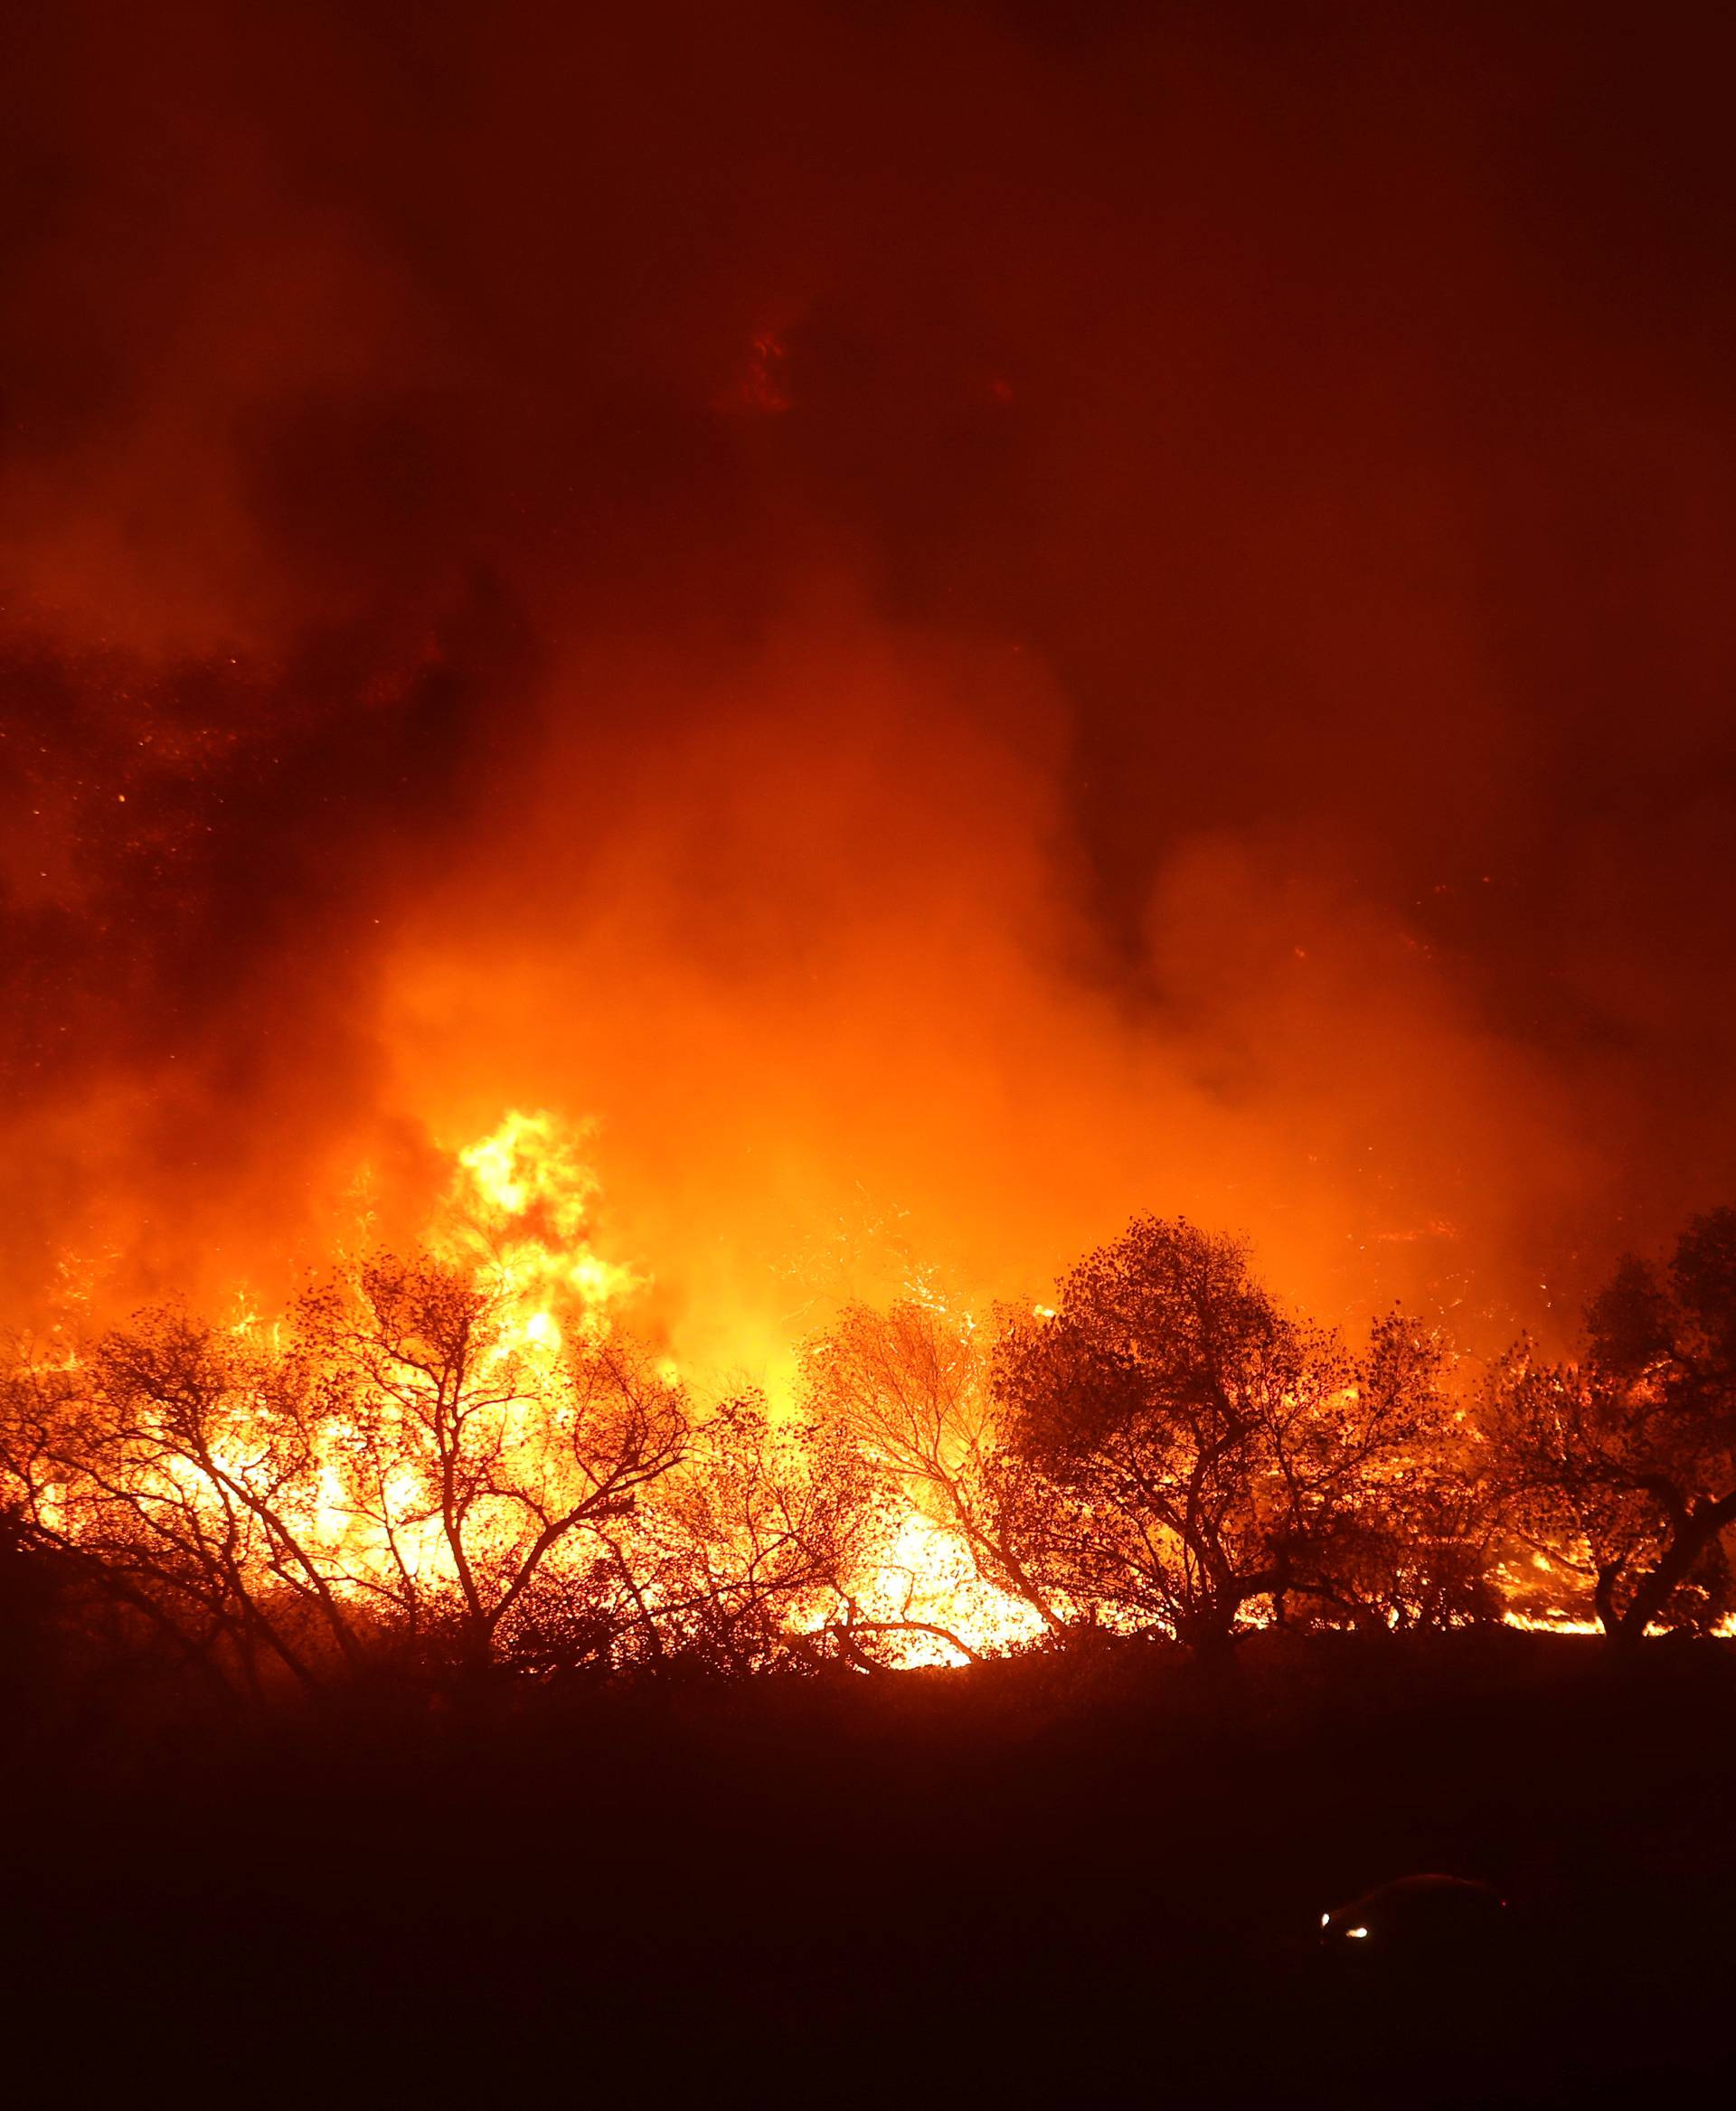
{"x":953,"y":621}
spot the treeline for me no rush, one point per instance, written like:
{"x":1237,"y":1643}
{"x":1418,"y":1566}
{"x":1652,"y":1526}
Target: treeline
{"x":400,"y":1475}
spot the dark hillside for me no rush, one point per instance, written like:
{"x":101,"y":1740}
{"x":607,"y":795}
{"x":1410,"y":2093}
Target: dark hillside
{"x":1061,"y":1882}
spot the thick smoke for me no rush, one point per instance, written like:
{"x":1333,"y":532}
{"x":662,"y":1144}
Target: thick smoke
{"x":955,"y":620}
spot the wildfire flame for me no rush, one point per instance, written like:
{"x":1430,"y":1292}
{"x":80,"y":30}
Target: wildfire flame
{"x":518,"y":1222}
{"x":518,"y":1212}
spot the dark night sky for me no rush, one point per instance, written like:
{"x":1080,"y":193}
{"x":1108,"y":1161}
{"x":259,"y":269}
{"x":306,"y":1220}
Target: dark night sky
{"x":1133,"y":599}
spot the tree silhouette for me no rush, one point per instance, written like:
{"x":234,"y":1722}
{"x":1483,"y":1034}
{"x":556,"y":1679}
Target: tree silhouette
{"x":176,"y":1467}
{"x":1410,"y":1541}
{"x":757,"y":1539}
{"x":911,"y":1385}
{"x":1625,"y":1461}
{"x":413,"y":1462}
{"x":474,"y":1473}
{"x":390,"y":1469}
{"x":1197,"y":1446}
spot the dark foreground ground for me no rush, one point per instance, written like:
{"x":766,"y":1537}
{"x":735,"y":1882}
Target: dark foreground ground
{"x":1085,"y":1884}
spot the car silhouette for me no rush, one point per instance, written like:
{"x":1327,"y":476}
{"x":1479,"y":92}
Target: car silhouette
{"x":1417,"y":1918}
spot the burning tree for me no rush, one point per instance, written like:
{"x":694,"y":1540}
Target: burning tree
{"x":1196,"y":1449}
{"x":1409,"y":1540}
{"x":485,"y":1484}
{"x":393,"y":1468}
{"x":1623,"y":1466}
{"x":464,"y":1457}
{"x":758,"y":1536}
{"x":412,"y":1464}
{"x":175,"y":1472}
{"x":911,"y":1385}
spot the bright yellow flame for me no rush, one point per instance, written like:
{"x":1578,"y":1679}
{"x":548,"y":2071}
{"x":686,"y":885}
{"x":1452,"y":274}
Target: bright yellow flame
{"x":518,"y":1212}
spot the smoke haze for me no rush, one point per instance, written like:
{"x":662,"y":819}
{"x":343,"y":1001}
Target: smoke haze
{"x":953,"y":620}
